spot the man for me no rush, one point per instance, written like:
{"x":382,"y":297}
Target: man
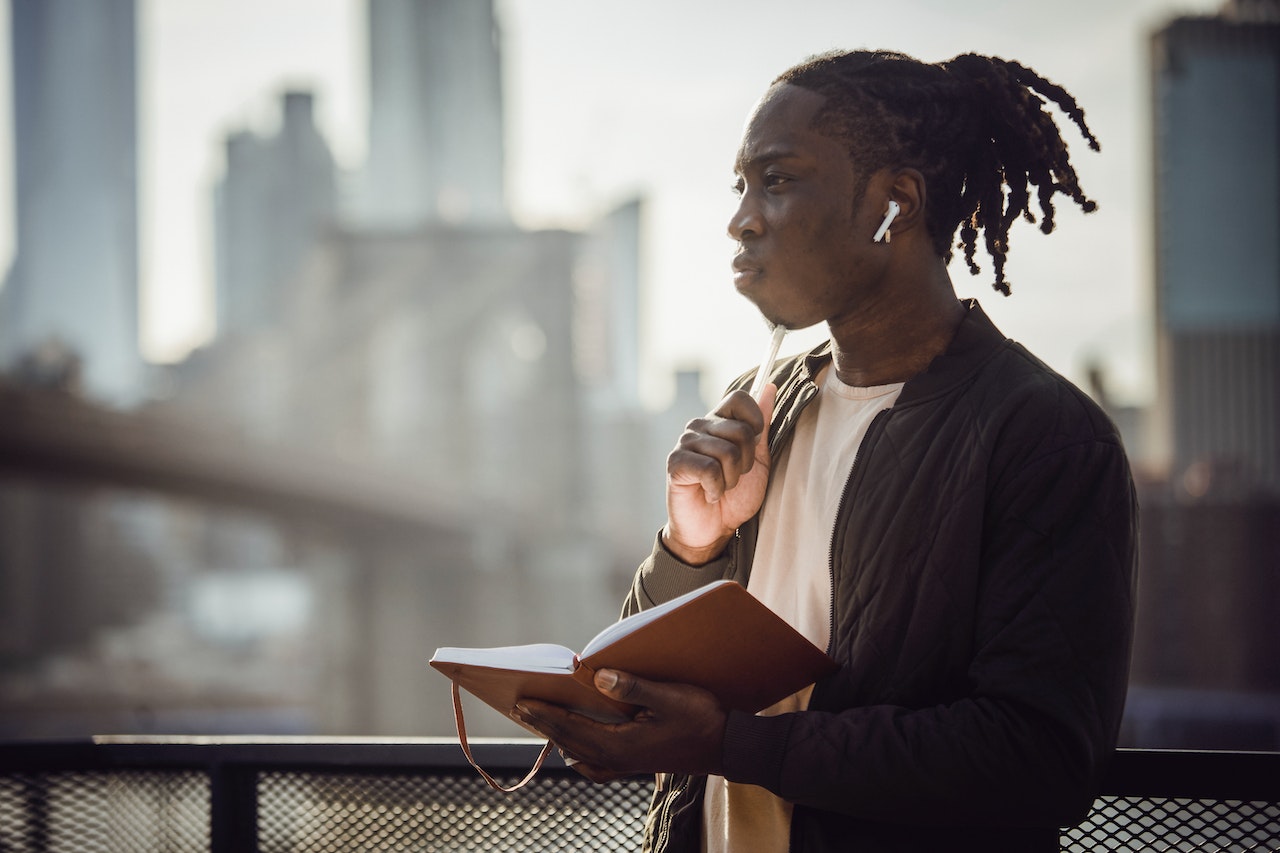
{"x":953,"y":521}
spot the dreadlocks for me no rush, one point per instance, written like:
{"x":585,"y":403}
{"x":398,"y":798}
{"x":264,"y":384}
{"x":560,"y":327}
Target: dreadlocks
{"x":976,"y":127}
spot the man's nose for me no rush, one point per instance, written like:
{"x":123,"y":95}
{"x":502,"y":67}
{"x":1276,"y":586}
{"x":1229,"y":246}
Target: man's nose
{"x":746,"y":220}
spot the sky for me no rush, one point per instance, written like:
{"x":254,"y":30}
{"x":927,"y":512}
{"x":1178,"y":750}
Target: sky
{"x":607,"y":100}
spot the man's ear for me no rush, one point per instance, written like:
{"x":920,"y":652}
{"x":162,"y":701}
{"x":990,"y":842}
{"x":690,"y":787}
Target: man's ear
{"x":909,"y":191}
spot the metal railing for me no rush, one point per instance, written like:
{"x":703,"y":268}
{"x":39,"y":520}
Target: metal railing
{"x":239,"y":794}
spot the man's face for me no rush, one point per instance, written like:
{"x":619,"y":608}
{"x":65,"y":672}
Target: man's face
{"x":804,"y":250}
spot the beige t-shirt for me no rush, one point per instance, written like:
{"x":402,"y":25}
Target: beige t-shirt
{"x":791,"y":573}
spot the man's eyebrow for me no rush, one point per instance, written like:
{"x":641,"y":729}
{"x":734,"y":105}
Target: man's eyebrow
{"x":764,"y":158}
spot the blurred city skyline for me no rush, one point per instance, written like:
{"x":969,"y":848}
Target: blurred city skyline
{"x":368,"y":377}
{"x":607,"y":100}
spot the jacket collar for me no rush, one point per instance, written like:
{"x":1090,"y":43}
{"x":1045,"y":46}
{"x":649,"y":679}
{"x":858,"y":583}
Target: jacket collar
{"x":977,"y":339}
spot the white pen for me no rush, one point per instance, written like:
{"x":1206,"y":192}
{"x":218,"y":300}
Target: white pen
{"x":766,"y":366}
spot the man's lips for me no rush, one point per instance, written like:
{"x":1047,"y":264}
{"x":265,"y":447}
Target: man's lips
{"x":744,"y":267}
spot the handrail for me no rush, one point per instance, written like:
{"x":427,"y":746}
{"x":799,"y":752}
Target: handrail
{"x":1192,"y":773}
{"x":106,"y":752}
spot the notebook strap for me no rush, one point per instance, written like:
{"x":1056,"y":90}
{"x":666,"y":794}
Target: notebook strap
{"x":466,"y":750}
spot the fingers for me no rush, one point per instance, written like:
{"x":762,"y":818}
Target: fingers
{"x":553,"y":722}
{"x":716,"y":477}
{"x":542,"y":718}
{"x":655,"y":699}
{"x":679,"y":728}
{"x":578,"y":738}
{"x":716,"y":450}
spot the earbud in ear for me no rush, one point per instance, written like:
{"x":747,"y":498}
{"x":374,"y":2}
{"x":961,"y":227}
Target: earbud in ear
{"x":882,"y":233}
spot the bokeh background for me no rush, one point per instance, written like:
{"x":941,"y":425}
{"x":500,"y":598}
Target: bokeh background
{"x":338,"y":330}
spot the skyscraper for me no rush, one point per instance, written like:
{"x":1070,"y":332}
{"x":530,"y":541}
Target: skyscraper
{"x":1217,"y":186}
{"x":74,"y":281}
{"x":272,"y":205}
{"x":435,"y":114}
{"x":1204,"y":671}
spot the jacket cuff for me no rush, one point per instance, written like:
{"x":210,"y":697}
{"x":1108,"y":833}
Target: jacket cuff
{"x":754,"y":748}
{"x":663,"y":577}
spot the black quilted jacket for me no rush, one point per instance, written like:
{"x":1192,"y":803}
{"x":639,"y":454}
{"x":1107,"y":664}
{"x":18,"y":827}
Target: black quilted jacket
{"x":983,"y":568}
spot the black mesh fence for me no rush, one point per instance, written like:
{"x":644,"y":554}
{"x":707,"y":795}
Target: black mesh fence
{"x":317,"y":798}
{"x":104,"y":812}
{"x":87,"y":812}
{"x":333,"y":814}
{"x":1160,"y":824}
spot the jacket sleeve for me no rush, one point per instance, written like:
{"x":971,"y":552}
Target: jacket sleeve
{"x":662,"y":577}
{"x":1038,"y":714}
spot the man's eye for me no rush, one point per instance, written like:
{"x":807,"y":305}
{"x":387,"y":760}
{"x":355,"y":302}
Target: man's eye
{"x":737,"y":187}
{"x":773,"y":180}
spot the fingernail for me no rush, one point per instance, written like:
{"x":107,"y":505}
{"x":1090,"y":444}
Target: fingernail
{"x":520,"y":711}
{"x":606,"y":679}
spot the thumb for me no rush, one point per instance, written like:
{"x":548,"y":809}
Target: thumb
{"x":623,"y":687}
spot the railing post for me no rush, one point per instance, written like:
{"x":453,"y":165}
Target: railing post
{"x":233,"y":808}
{"x":35,"y":796}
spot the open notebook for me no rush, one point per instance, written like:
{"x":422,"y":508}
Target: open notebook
{"x":718,"y":637}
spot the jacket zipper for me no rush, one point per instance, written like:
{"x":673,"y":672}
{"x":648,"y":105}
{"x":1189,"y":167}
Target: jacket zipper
{"x":664,"y":816}
{"x":863,"y":446}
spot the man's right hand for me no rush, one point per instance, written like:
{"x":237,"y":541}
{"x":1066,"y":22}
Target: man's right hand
{"x":716,"y":476}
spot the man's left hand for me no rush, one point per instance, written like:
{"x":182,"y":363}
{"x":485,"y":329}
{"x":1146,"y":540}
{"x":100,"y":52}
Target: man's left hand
{"x":678,"y":729}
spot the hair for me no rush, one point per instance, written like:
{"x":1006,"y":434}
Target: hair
{"x":976,"y":127}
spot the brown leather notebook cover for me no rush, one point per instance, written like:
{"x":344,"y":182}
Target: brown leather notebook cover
{"x":720,"y":637}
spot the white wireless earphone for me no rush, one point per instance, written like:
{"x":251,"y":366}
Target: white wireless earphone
{"x":882,"y":233}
